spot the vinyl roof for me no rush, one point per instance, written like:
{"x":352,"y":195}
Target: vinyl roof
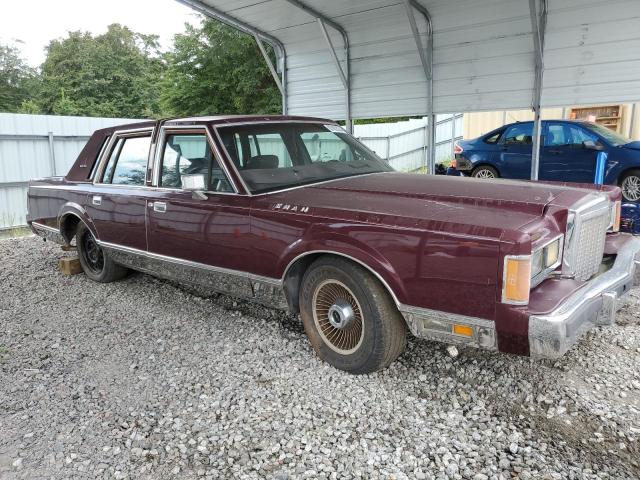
{"x":483,"y":53}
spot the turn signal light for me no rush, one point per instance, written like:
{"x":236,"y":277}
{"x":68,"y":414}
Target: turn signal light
{"x":464,"y":330}
{"x":516,"y":283}
{"x":616,"y":216}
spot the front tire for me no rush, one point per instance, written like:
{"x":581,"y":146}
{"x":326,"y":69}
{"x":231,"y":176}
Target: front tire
{"x":350,"y":319}
{"x":485,"y":171}
{"x":95,"y":262}
{"x":630,"y":185}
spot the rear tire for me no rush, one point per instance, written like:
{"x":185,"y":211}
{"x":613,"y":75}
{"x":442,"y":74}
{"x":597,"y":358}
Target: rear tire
{"x":630,"y":185}
{"x":95,"y":262}
{"x":350,"y":319}
{"x":485,"y":171}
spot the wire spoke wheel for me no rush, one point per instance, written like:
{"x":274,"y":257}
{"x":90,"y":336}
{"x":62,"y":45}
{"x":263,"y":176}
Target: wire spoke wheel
{"x":92,"y":253}
{"x":338,"y":317}
{"x":631,"y":188}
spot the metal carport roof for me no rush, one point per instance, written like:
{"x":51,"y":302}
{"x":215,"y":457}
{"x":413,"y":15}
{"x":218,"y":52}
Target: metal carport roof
{"x":348,"y":59}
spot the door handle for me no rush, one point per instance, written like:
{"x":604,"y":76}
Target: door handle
{"x":159,"y":207}
{"x":96,"y":200}
{"x":555,"y":152}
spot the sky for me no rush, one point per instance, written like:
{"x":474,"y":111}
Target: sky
{"x":36,"y":22}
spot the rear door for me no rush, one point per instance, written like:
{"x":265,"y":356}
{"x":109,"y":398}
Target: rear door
{"x":210,"y":230}
{"x":564,"y":156}
{"x":514,"y":151}
{"x":117,"y":203}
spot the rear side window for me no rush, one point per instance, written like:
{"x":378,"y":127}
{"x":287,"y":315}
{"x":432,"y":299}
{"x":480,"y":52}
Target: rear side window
{"x":493,"y":138}
{"x":519,"y":134}
{"x":128,"y":161}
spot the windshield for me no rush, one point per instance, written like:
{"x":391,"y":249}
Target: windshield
{"x":281,"y":155}
{"x":609,"y":135}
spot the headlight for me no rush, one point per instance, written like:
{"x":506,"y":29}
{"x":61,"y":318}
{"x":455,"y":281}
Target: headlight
{"x":545,"y":259}
{"x":523,"y":272}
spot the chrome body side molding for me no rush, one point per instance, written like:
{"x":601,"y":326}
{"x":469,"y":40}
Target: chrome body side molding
{"x":48,"y":233}
{"x":264,"y":290}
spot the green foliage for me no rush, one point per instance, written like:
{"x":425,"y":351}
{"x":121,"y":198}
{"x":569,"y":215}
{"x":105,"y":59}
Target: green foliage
{"x":111,"y":75}
{"x":210,"y":69}
{"x":216,"y":69}
{"x":15,"y":76}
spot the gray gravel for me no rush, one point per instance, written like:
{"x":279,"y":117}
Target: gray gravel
{"x":147,"y":379}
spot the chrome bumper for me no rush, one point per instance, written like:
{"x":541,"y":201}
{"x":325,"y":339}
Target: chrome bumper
{"x":552,"y":334}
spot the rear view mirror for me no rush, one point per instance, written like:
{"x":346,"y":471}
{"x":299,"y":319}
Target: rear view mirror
{"x":591,"y":145}
{"x":195,"y":183}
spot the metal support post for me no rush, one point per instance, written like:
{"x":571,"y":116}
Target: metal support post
{"x":344,"y":73}
{"x":426,"y":59}
{"x":538,"y":27}
{"x":52,"y":154}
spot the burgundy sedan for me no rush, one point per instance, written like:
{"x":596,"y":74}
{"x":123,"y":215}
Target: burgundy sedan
{"x":295,"y":213}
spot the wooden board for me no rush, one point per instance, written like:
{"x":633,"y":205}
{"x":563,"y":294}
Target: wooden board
{"x":70,"y":266}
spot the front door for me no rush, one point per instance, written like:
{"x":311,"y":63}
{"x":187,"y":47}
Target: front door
{"x":117,"y":204}
{"x":203,"y":233}
{"x":564,"y":156}
{"x":514,"y":151}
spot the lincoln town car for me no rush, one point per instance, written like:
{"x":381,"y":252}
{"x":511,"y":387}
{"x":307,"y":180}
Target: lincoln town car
{"x":295,"y":213}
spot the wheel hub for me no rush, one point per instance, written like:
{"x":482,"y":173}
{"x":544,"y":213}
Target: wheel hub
{"x":338,"y":316}
{"x":341,"y":314}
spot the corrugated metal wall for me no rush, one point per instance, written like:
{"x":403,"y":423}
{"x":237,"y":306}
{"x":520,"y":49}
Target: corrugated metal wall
{"x":483,"y":54}
{"x":33,"y":146}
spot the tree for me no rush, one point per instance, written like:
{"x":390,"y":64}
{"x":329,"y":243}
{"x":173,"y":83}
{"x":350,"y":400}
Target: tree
{"x":116,"y":74}
{"x":213,"y":69}
{"x":15,"y":76}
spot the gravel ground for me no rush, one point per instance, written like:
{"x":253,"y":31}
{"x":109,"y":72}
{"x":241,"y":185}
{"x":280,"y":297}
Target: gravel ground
{"x":147,"y":379}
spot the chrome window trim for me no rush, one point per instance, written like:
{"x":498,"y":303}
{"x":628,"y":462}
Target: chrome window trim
{"x":133,"y":132}
{"x":157,"y":160}
{"x":287,"y":189}
{"x":96,"y":167}
{"x":268,"y":121}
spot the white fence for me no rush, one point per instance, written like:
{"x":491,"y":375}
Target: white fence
{"x":405,"y":144}
{"x":33,"y":146}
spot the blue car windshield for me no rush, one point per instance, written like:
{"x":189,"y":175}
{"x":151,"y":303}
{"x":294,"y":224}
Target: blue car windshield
{"x":609,"y":135}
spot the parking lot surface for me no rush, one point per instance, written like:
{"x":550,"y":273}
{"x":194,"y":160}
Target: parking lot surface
{"x":148,"y":379}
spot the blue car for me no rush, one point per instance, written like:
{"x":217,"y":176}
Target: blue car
{"x":572,"y":151}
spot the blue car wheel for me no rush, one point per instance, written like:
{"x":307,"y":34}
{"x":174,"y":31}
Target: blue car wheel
{"x":630,"y":185}
{"x":485,"y":171}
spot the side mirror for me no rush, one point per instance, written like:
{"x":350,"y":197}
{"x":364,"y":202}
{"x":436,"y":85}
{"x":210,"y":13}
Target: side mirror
{"x":591,"y":145}
{"x":196,"y":184}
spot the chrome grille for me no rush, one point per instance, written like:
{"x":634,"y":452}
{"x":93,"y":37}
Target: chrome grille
{"x":585,"y":247}
{"x":590,"y":245}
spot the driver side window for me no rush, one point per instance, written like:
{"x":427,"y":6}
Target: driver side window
{"x":190,"y":154}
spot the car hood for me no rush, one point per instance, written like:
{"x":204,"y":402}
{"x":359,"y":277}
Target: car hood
{"x":427,"y":201}
{"x":632,"y":145}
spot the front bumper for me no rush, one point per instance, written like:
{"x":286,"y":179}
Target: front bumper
{"x":552,"y":334}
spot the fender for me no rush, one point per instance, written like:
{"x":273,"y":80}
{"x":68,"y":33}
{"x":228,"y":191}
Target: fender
{"x":74,"y":209}
{"x":330,"y":240}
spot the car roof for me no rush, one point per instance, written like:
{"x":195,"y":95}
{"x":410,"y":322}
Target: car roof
{"x":218,"y":120}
